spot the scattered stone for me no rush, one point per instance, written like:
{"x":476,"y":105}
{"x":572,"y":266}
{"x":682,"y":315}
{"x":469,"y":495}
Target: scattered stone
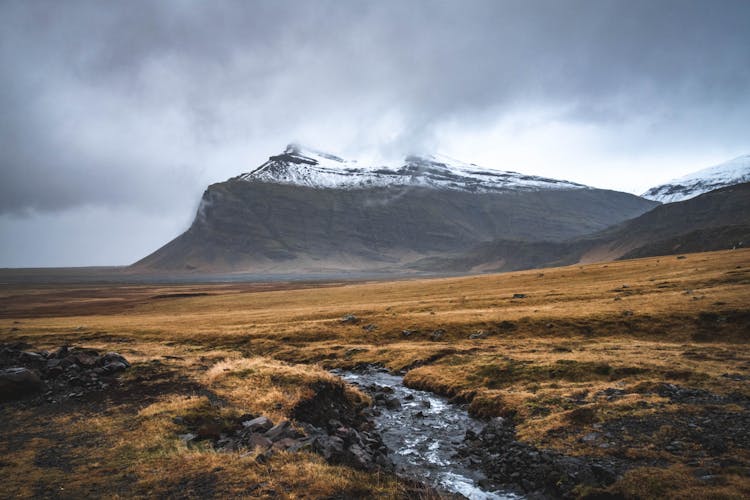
{"x":479,"y":334}
{"x":279,"y":430}
{"x":349,"y":319}
{"x":437,"y":334}
{"x":63,"y":373}
{"x":187,"y":437}
{"x":519,"y":295}
{"x":260,"y":424}
{"x":370,"y":327}
{"x":408,"y":333}
{"x":393,"y":404}
{"x":540,"y":473}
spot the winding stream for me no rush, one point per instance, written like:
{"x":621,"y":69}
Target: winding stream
{"x":424,"y":434}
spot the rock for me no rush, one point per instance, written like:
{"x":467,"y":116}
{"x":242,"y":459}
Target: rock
{"x":349,"y":319}
{"x":393,"y":404}
{"x":284,"y":444}
{"x":590,"y":437}
{"x":88,"y":361}
{"x":605,"y":475}
{"x":408,"y":333}
{"x":27,"y":357}
{"x":186,"y":438}
{"x":370,"y":327}
{"x":260,"y":424}
{"x":330,"y":447}
{"x":114,"y":367}
{"x":16,"y":383}
{"x":519,"y":295}
{"x":479,"y":334}
{"x":278,"y":431}
{"x":437,"y":334}
{"x":60,"y":352}
{"x":258,"y":441}
{"x":113,"y":357}
{"x":358,"y":457}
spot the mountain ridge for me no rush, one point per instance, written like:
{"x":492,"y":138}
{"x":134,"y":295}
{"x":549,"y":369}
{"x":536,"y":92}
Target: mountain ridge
{"x":717,"y":220}
{"x":735,"y":171}
{"x":302,"y":166}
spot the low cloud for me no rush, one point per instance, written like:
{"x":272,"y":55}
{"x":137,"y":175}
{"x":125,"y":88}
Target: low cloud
{"x":138,"y":105}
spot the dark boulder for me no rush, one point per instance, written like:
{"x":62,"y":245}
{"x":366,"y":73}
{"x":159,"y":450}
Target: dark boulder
{"x":16,"y":383}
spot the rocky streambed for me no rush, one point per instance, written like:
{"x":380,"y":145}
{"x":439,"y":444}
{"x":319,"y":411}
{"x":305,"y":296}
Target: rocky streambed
{"x":434,"y":441}
{"x":425,"y":435}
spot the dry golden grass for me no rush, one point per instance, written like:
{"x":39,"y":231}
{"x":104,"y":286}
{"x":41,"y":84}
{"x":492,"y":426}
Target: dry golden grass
{"x":581,"y":329}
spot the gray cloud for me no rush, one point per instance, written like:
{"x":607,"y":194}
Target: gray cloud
{"x":140,"y":104}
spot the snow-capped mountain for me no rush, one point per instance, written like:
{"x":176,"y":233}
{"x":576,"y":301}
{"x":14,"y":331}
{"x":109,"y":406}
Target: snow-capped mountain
{"x":729,"y":173}
{"x":307,"y":211}
{"x":306,"y":167}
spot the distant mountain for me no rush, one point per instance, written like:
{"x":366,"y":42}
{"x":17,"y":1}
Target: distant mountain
{"x":717,"y":220}
{"x":729,"y":173}
{"x":304,"y":211}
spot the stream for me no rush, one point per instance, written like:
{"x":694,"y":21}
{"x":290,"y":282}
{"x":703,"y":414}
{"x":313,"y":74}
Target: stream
{"x":423,"y":435}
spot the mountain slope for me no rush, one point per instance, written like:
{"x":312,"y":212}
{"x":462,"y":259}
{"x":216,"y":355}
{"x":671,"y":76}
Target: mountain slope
{"x":715,"y":220}
{"x":735,"y":171}
{"x":303,"y":212}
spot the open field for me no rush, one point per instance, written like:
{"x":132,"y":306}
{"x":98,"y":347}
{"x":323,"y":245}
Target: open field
{"x":645,"y":361}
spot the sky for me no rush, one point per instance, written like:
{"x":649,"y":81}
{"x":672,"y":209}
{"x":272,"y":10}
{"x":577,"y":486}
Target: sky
{"x":115,"y":116}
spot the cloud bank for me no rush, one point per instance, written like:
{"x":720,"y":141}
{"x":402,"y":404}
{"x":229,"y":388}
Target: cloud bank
{"x":132,"y":108}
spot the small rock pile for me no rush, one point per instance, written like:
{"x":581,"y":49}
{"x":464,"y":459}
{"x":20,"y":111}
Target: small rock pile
{"x":64,"y":372}
{"x":337,"y":443}
{"x":319,"y":429}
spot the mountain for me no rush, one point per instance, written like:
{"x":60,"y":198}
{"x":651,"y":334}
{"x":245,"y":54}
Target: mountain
{"x":304,"y":210}
{"x":728,"y":173}
{"x":300,"y":166}
{"x":717,"y":220}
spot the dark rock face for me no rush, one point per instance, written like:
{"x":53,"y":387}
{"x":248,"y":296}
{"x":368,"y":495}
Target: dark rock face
{"x":64,"y":372}
{"x":253,"y":226}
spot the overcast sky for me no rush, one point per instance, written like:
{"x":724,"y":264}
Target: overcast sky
{"x":114,"y":116}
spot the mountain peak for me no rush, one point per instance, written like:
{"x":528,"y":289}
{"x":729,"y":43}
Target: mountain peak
{"x":304,"y":166}
{"x":731,"y":172}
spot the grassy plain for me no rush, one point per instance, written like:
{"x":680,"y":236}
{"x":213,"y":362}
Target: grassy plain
{"x":585,"y":351}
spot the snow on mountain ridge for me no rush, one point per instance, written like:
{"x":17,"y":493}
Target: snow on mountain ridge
{"x":307,"y":167}
{"x":732,"y":172}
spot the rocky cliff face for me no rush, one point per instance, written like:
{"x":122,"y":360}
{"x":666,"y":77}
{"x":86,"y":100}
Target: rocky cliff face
{"x":304,"y":212}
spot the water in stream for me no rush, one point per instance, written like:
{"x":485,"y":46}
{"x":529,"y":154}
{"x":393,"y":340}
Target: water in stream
{"x":424,"y":434}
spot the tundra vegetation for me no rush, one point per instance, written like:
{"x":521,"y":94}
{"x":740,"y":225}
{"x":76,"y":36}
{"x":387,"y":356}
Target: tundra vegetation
{"x":644,"y":361}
